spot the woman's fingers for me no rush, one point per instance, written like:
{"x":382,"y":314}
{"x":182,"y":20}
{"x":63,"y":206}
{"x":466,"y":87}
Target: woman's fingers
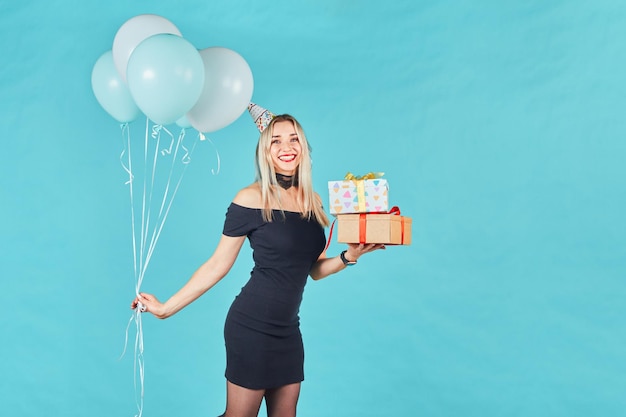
{"x":362,"y":248}
{"x":146,"y":297}
{"x":143,"y":299}
{"x":368,"y":247}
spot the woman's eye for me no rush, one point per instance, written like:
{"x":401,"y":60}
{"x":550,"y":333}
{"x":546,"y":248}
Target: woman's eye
{"x":275,"y":142}
{"x":295,"y":139}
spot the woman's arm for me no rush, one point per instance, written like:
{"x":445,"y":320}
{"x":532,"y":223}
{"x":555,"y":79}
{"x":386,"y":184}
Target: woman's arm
{"x":200,"y":282}
{"x":328,"y":266}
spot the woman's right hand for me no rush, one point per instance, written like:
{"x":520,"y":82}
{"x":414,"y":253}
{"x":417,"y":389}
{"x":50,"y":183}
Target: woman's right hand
{"x":149,"y":303}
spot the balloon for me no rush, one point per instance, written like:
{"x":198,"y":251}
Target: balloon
{"x":133,"y":32}
{"x":183,"y":122}
{"x":165,"y":77}
{"x":111,"y":92}
{"x":227,"y":91}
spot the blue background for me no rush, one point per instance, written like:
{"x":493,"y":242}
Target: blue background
{"x":499,"y":125}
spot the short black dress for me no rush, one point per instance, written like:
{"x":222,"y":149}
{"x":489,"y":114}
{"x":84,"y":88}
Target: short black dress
{"x":262,"y":331}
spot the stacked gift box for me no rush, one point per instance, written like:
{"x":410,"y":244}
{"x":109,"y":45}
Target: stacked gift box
{"x":361,"y":205}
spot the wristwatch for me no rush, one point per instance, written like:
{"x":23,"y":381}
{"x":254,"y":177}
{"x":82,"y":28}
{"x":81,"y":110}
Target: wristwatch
{"x":344,"y":260}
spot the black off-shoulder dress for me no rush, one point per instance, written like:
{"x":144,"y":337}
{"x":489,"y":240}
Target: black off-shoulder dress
{"x":262,"y":332}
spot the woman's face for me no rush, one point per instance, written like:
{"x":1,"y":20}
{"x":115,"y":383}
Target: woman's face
{"x":285,"y":148}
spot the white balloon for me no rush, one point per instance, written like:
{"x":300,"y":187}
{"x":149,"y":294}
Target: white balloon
{"x":227,"y":90}
{"x":133,"y":32}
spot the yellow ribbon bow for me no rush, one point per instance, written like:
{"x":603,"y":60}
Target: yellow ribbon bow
{"x":360,"y":186}
{"x":369,"y":176}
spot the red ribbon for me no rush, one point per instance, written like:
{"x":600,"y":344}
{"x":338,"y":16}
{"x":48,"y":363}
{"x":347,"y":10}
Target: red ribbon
{"x":362,"y":227}
{"x":330,"y":234}
{"x":395,"y":210}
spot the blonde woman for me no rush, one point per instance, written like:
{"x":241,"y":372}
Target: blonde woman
{"x":283,"y":219}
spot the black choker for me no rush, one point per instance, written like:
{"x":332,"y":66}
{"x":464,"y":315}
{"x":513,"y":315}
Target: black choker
{"x":287,"y":181}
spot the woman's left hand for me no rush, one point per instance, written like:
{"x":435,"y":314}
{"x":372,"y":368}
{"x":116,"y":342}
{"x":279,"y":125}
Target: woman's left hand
{"x":149,"y":303}
{"x":355,"y":250}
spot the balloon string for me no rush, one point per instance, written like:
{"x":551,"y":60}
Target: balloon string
{"x":148,"y":246}
{"x":150,"y":233}
{"x":138,"y":360}
{"x":143,"y":207}
{"x":160,"y":220}
{"x":149,"y":186}
{"x":138,"y":354}
{"x":125,"y":135}
{"x":143,"y":254}
{"x":186,"y":158}
{"x":217,"y":154}
{"x":156,"y":134}
{"x":168,"y":206}
{"x":166,"y":151}
{"x":169,"y":177}
{"x":129,"y":169}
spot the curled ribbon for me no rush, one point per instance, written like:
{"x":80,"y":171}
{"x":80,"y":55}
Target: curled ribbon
{"x":126,"y":138}
{"x":369,"y":176}
{"x":217,"y":154}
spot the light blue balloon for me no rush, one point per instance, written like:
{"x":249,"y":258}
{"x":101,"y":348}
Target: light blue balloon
{"x":183,"y":122}
{"x":165,"y":76}
{"x":111,"y":92}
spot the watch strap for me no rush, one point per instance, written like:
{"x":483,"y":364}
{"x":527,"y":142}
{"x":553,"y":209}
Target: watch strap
{"x":344,"y":260}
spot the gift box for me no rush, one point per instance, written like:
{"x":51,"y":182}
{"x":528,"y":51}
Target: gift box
{"x":385,"y":228}
{"x":358,"y":196}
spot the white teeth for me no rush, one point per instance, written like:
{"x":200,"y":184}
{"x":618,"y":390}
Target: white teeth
{"x":287,"y":158}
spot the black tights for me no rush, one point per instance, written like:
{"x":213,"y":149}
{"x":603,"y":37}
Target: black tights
{"x":244,"y":402}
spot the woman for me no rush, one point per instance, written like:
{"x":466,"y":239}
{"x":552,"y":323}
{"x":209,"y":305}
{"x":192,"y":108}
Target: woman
{"x":283,"y":219}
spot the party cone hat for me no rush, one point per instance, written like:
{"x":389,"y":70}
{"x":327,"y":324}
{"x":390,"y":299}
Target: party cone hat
{"x":262,"y":117}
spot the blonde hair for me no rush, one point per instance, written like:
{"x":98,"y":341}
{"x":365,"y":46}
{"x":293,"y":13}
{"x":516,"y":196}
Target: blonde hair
{"x":266,"y":175}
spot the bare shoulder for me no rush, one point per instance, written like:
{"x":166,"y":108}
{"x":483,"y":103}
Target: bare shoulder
{"x":249,"y":196}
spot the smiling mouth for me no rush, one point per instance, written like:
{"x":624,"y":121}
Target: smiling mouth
{"x":287,"y":158}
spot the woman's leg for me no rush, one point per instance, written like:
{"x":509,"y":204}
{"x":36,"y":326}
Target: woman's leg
{"x":282,"y":401}
{"x":242,"y":402}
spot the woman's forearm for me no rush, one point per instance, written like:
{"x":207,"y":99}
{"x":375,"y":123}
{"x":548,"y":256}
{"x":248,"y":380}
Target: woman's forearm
{"x":326,"y":266}
{"x":205,"y":277}
{"x":200,"y":282}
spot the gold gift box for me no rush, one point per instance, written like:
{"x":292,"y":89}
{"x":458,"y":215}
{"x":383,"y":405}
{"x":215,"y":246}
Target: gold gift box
{"x":388,"y":229}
